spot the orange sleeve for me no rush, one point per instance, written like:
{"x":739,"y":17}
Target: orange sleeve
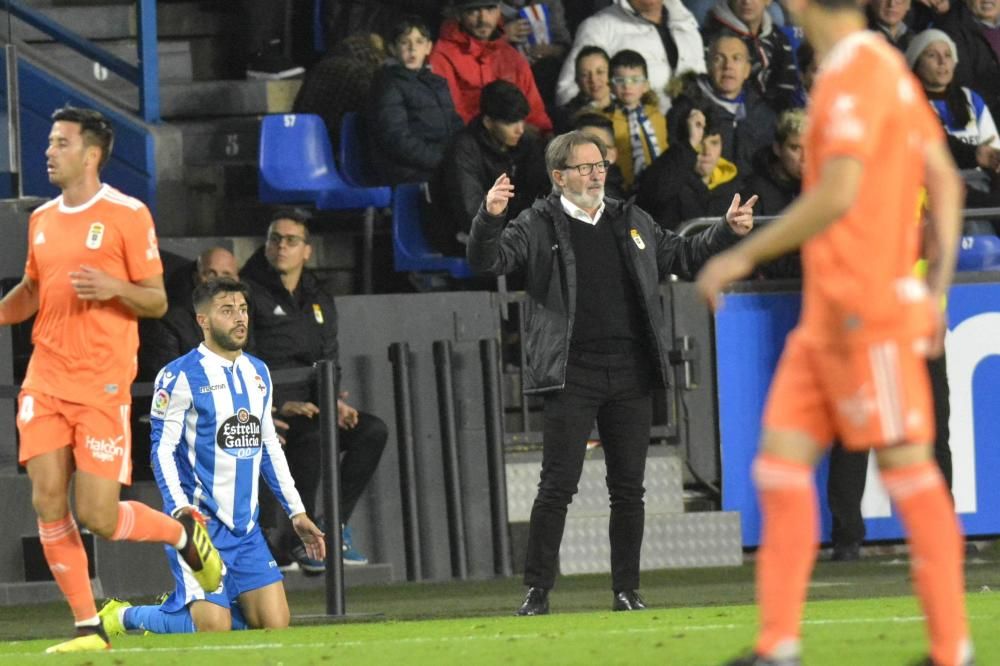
{"x":142,"y":255}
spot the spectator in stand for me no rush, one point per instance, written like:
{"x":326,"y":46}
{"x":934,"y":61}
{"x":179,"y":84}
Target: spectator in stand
{"x":593,"y":77}
{"x":777,"y":168}
{"x":772,"y":64}
{"x":969,"y":126}
{"x":537,"y":28}
{"x":664,"y":31}
{"x":640,"y":128}
{"x":746,"y":121}
{"x":495,"y":142}
{"x":777,"y":181}
{"x":978,"y":67}
{"x":471,"y":52}
{"x":178,"y":332}
{"x":889,"y":18}
{"x":410,"y":116}
{"x":294,"y":324}
{"x":599,"y":126}
{"x":340,"y":82}
{"x":691,"y":179}
{"x":808,"y":67}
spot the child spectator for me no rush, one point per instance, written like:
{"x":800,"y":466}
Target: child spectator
{"x":640,"y":128}
{"x":410,"y":116}
{"x":598,"y":126}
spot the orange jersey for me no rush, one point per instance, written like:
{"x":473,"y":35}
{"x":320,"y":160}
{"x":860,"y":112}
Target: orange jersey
{"x":85,"y":351}
{"x":858,"y":284}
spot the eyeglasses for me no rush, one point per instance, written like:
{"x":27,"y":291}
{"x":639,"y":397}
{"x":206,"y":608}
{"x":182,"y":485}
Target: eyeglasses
{"x":290,"y":241}
{"x":588,"y":168}
{"x":628,"y":80}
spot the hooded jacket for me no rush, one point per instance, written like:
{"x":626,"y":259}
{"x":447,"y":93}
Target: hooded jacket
{"x":620,"y":27}
{"x":538,"y":243}
{"x":772,"y":69}
{"x":469,"y":64}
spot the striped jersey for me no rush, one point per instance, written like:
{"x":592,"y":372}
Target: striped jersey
{"x":214,"y":437}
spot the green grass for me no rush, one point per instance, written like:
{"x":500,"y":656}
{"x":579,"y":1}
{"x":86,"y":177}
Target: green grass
{"x":859,"y":614}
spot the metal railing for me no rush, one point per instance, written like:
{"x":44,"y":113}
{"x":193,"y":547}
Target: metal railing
{"x":145,"y":75}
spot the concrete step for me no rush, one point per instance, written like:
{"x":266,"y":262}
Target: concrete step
{"x":205,"y":99}
{"x":221,"y":140}
{"x":175,"y":61}
{"x":115,"y":21}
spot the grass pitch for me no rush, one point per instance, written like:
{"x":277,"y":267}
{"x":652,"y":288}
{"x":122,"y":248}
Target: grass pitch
{"x":859,"y":614}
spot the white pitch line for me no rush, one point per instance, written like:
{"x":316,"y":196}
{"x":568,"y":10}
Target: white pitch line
{"x":485,"y":637}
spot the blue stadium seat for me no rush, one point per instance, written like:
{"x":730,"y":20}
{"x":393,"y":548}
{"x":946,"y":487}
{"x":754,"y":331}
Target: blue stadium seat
{"x":352,"y":156}
{"x":296,"y":166}
{"x":410,"y":249}
{"x":979,"y":253}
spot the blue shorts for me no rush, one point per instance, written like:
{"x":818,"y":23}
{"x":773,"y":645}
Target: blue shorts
{"x":248,"y":562}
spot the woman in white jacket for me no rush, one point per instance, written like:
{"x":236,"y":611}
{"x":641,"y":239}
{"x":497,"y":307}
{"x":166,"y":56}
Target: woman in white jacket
{"x":632,"y":24}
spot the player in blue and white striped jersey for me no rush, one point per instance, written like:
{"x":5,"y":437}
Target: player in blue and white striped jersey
{"x":213,"y":439}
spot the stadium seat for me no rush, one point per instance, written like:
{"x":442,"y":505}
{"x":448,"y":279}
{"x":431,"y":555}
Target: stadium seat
{"x":409,"y":245}
{"x":296,"y":167}
{"x":352,"y":157}
{"x":979,"y":253}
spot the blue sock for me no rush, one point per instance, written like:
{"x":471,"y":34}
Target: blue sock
{"x":157,"y":620}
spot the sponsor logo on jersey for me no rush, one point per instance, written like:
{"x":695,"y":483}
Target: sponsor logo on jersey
{"x":106,"y":449}
{"x":95,"y":235}
{"x":213,"y":387}
{"x":161,"y":399}
{"x":239,"y":435}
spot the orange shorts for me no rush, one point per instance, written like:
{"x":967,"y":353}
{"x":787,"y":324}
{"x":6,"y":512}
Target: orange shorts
{"x":868,"y":395}
{"x":99,"y":436}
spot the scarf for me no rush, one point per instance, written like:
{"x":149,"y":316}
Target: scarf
{"x":641,"y":136}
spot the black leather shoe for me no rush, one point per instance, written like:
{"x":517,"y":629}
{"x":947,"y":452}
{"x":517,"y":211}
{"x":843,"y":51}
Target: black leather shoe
{"x":628,"y":600}
{"x":536,"y":602}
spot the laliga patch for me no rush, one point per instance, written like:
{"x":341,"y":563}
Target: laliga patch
{"x":318,"y":313}
{"x":95,"y":235}
{"x":161,"y":400}
{"x":639,"y":243}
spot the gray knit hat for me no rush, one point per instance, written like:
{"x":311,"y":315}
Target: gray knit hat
{"x":924,"y":39}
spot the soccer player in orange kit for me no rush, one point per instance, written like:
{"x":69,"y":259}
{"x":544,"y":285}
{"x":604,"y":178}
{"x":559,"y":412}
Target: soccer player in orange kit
{"x":854,"y":365}
{"x":92,"y":269}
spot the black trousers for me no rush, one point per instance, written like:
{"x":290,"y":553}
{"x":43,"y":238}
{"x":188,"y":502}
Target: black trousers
{"x":614,"y":390}
{"x":848,"y":469}
{"x":360,"y":451}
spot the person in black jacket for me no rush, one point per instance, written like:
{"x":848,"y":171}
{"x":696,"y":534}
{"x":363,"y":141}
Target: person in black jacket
{"x":163,"y":340}
{"x":410,"y":116}
{"x":596,"y":341}
{"x":294,"y":325}
{"x":691,"y":179}
{"x":495,"y":142}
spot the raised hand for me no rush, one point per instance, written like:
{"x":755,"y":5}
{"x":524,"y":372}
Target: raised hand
{"x":498,"y":196}
{"x":740,"y":216}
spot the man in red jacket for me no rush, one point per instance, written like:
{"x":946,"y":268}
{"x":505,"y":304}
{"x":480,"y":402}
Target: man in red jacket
{"x":471,"y":52}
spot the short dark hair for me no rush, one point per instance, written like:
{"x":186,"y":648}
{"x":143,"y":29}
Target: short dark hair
{"x":504,"y":102}
{"x":629,"y":58}
{"x":206,"y":291}
{"x":588,"y":51}
{"x":94,"y":127}
{"x":405,"y":24}
{"x":593,"y":119}
{"x":295,"y":214}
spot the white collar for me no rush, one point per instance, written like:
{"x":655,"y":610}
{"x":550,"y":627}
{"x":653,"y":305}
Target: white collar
{"x":578,"y":213}
{"x":215,"y":358}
